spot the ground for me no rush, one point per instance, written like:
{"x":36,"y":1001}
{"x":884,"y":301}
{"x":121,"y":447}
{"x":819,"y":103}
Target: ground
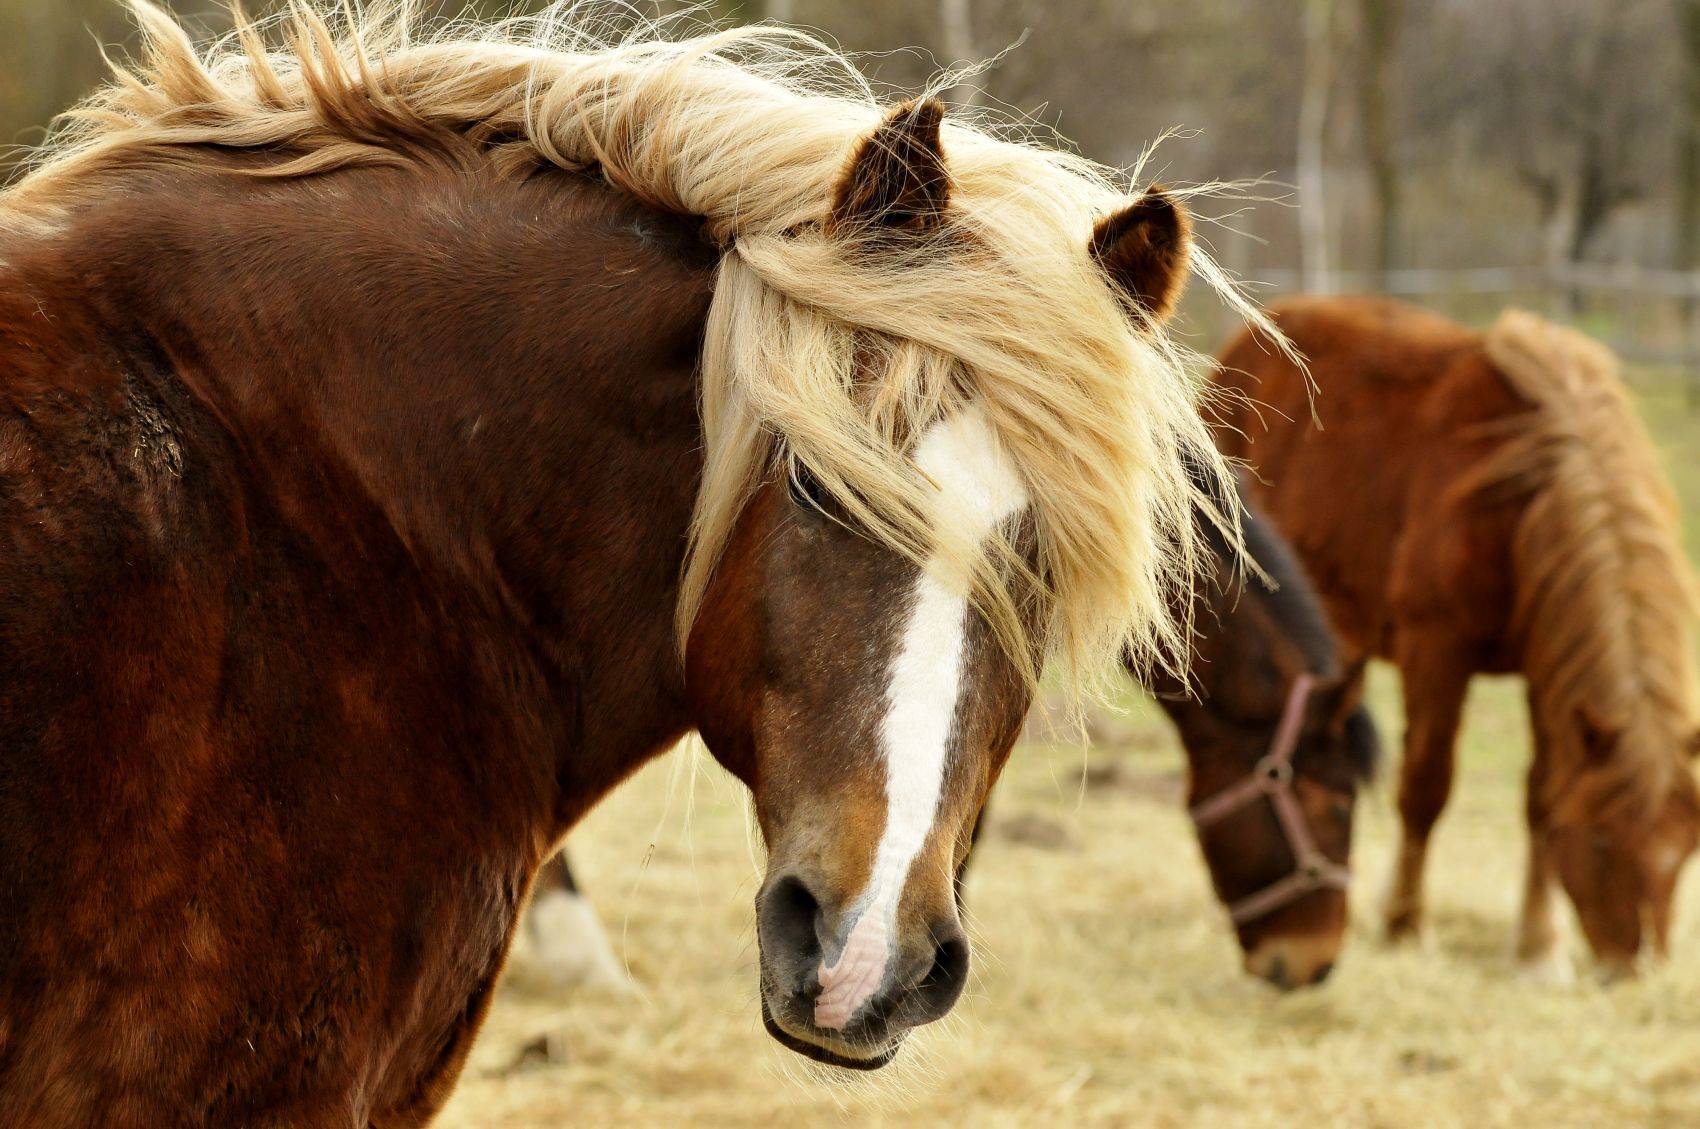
{"x":1107,"y":989}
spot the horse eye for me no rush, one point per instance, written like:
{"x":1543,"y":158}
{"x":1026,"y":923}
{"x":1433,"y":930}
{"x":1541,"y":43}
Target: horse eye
{"x":806,"y":490}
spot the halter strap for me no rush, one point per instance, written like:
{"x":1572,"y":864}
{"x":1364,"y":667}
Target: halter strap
{"x":1273,"y":777}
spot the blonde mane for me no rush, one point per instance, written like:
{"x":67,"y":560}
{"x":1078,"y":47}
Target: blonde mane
{"x":1604,"y":599}
{"x":751,"y":129}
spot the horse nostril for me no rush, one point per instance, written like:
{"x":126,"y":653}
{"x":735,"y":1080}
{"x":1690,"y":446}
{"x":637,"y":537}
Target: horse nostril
{"x":939,"y":988}
{"x":1321,"y":973}
{"x":787,"y":921}
{"x":1277,"y":973}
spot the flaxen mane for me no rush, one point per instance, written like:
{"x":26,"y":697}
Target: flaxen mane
{"x":750,"y":129}
{"x":1604,"y":596}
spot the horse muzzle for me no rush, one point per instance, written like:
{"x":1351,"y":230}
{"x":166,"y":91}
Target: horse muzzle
{"x":845,"y":988}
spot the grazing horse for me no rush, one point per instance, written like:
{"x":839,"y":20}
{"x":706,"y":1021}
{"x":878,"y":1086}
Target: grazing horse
{"x":1276,"y":742}
{"x":404,"y":437}
{"x":1491,"y":504}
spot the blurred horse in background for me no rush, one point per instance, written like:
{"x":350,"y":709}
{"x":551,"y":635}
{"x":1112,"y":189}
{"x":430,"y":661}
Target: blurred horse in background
{"x":1276,"y":739}
{"x":1492,"y":504}
{"x":404,"y":436}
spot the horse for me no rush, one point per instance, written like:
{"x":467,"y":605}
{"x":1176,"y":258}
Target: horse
{"x":1490,"y":503}
{"x":405,"y":434}
{"x":1277,"y":740}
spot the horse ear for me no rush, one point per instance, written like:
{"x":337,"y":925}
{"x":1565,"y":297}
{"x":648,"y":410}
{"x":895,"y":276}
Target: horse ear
{"x":897,"y":178}
{"x":1145,"y":249}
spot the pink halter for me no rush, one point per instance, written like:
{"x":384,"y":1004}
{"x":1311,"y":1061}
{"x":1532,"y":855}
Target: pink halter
{"x":1273,"y":777}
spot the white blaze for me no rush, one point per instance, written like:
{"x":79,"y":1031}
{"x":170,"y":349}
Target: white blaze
{"x":978,"y":489}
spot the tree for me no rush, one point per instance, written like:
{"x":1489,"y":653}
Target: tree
{"x":956,"y":29}
{"x":1688,"y":137}
{"x":1379,"y":23}
{"x":1313,"y":144}
{"x":1571,"y":96}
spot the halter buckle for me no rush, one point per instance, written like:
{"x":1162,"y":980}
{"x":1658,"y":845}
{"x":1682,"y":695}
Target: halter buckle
{"x":1275,"y":771}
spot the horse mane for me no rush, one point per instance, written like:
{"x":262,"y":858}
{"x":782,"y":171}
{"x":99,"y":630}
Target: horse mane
{"x":1604,"y":598}
{"x":1279,"y":582}
{"x":822,"y":353}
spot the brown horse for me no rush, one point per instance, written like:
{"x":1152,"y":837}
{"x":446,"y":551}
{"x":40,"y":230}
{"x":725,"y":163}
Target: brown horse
{"x":1276,"y":742}
{"x":381,"y":417}
{"x":1491,"y":504}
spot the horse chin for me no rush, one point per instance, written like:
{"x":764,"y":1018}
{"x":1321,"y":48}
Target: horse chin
{"x":827,"y":1055}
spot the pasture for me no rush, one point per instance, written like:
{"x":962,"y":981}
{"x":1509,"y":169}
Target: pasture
{"x":1106,"y":989}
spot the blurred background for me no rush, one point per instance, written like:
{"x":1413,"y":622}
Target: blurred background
{"x":1465,"y":153}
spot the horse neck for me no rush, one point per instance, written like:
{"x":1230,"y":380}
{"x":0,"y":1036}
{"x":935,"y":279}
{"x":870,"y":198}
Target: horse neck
{"x":498,"y":376}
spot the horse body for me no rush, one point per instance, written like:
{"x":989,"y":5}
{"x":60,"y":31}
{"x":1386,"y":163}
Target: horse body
{"x":1430,"y":386}
{"x":1412,"y":512}
{"x":326,"y":625}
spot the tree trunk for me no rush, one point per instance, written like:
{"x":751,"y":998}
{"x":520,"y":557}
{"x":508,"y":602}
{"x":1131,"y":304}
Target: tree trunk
{"x":1312,"y":146}
{"x":956,"y":28}
{"x":1688,"y":187}
{"x":1595,"y":200}
{"x":1378,"y":84}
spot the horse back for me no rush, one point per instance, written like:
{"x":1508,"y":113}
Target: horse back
{"x":1406,"y":402}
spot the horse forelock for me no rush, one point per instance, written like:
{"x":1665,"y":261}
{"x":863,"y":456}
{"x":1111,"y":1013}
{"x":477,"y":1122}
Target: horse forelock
{"x":1604,"y":604}
{"x":749,"y":129}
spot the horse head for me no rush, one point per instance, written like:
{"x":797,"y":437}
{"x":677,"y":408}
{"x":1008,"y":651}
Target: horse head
{"x":860,"y":692}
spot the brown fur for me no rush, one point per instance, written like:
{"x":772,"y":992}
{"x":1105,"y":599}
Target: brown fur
{"x":1464,"y":512}
{"x":244,"y":651}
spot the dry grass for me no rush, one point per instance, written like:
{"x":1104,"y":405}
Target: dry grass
{"x":1107,"y":989}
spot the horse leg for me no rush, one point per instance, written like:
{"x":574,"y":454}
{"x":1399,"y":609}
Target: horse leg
{"x":1434,"y":681}
{"x":566,"y":934}
{"x":1540,"y":949}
